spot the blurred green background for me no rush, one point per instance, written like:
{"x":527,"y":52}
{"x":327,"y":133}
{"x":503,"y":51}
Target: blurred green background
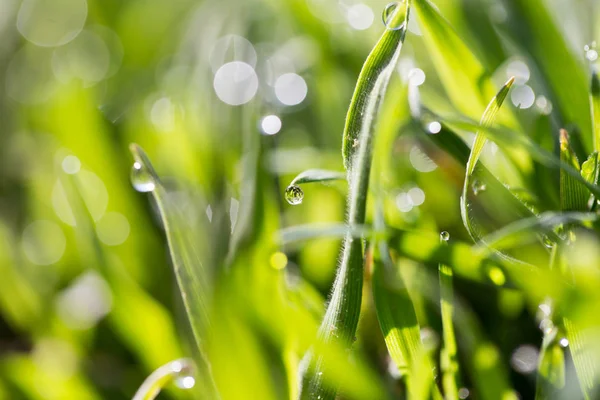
{"x":88,"y":303}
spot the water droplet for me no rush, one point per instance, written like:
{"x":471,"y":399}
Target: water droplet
{"x":463,"y":393}
{"x":185,"y":382}
{"x":478,"y":187}
{"x":141,"y":178}
{"x":390,"y":16}
{"x":547,"y":242}
{"x":591,"y":54}
{"x":434,"y":127}
{"x":294,"y":195}
{"x":564,"y":342}
{"x":445,"y":236}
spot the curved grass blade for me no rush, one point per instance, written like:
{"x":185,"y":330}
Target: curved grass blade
{"x":341,"y":317}
{"x":551,"y":371}
{"x":449,"y":361}
{"x":317,"y":175}
{"x":595,"y":108}
{"x":371,"y":86}
{"x":168,"y":373}
{"x":487,"y":120}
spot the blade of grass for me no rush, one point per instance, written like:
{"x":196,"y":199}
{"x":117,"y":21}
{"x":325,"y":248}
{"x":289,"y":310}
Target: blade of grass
{"x":341,"y":316}
{"x":464,"y":77}
{"x":487,"y":120}
{"x":313,"y":231}
{"x":317,"y":175}
{"x":448,"y":362}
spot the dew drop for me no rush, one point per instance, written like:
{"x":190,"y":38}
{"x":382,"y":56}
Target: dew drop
{"x":478,"y":187}
{"x":564,"y":342}
{"x":141,"y":179}
{"x":185,"y":382}
{"x":445,"y":236}
{"x":390,"y":16}
{"x":434,"y":127}
{"x":294,"y":195}
{"x":591,"y":54}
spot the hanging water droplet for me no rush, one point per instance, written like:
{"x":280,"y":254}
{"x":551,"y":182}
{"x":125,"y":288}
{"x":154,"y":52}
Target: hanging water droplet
{"x":141,"y":178}
{"x":478,"y":187}
{"x":294,"y":195}
{"x":564,"y":342}
{"x":445,"y":236}
{"x":390,"y":16}
{"x":590,"y":52}
{"x":185,"y":382}
{"x":547,"y":242}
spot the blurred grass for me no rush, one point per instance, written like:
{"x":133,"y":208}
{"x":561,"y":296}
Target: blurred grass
{"x":89,"y":305}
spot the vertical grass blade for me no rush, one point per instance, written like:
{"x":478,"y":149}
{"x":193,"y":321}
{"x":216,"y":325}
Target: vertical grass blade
{"x":449,"y":362}
{"x":341,"y":317}
{"x":487,"y":120}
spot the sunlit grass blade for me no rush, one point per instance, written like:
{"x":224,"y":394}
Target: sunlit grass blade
{"x":449,"y":361}
{"x":393,"y":305}
{"x":486,"y":120}
{"x":573,"y":195}
{"x":179,"y":369}
{"x":583,"y":359}
{"x":542,"y":36}
{"x":464,"y":77}
{"x":341,"y":317}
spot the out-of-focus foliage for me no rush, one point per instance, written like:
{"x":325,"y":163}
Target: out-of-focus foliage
{"x":231,"y":100}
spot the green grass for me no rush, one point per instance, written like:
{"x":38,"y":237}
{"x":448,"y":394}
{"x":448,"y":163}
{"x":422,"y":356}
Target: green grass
{"x":451,"y":248}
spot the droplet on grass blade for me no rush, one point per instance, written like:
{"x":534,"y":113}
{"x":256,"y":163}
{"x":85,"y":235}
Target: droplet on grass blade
{"x":445,"y":236}
{"x":591,"y":54}
{"x":141,"y":178}
{"x":478,"y":187}
{"x":294,"y":195}
{"x":389,"y":16}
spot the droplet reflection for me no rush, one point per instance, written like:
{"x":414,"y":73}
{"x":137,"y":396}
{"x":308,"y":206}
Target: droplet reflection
{"x":294,"y":195}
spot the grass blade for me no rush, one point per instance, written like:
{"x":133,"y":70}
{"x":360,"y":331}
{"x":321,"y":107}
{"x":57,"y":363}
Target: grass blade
{"x":341,"y":317}
{"x":191,"y":276}
{"x":449,"y":362}
{"x":464,"y":77}
{"x":487,"y":120}
{"x":313,"y":231}
{"x":317,"y":175}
